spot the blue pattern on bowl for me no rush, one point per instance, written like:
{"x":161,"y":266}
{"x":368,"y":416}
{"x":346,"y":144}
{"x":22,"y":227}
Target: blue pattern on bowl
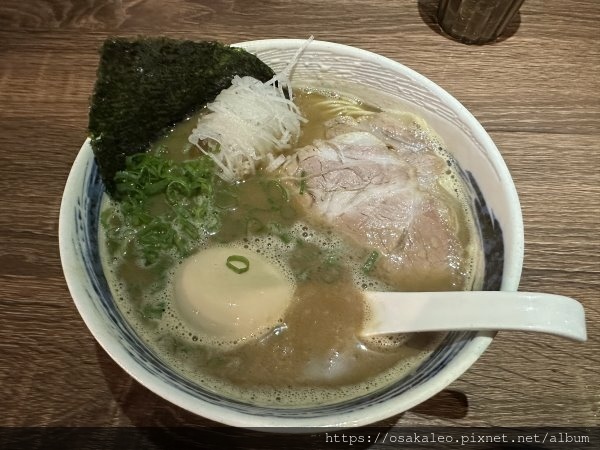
{"x":86,"y":219}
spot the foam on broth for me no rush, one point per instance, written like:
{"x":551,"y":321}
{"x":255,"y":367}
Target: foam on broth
{"x":314,"y":354}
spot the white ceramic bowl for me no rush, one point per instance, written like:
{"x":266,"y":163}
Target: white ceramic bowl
{"x":331,"y":65}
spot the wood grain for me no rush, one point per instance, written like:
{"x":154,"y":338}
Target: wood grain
{"x":536,"y":92}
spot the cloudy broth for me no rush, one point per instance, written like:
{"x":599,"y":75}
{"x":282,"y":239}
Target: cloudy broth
{"x":315,"y":353}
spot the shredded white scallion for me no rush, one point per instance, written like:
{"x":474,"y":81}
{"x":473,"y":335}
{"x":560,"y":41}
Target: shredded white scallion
{"x":250,"y":124}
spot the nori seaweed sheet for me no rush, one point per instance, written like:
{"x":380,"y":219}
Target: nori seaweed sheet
{"x":145,"y":86}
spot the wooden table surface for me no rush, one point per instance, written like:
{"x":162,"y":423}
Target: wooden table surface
{"x":536,"y":92}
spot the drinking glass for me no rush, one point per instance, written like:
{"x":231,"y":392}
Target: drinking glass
{"x":476,"y":21}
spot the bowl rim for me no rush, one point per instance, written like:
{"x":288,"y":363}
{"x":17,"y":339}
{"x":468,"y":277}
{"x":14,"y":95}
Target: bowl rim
{"x":369,"y":415}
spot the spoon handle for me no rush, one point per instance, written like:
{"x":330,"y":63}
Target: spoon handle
{"x":404,"y":312}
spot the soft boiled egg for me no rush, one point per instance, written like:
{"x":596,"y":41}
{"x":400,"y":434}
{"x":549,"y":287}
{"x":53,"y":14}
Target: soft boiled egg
{"x":235,"y":301}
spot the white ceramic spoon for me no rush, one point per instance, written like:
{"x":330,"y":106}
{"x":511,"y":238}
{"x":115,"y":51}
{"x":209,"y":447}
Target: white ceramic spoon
{"x":403,"y":312}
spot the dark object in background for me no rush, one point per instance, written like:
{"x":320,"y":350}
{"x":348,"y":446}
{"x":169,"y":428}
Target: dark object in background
{"x":476,"y":21}
{"x":145,"y":86}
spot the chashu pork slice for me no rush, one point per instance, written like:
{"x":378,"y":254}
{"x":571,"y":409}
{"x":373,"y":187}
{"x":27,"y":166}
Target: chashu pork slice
{"x":384,"y":197}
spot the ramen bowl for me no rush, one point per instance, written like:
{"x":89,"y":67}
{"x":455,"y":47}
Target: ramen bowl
{"x":330,"y":65}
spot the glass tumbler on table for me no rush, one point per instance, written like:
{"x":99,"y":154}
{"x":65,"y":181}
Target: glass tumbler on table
{"x":476,"y":21}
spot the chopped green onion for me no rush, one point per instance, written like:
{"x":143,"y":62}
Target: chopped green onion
{"x":153,"y":311}
{"x":242,"y":266}
{"x":370,"y":262}
{"x":155,"y":188}
{"x":276,"y":194}
{"x":163,"y":205}
{"x":285,"y":238}
{"x":226,"y":200}
{"x":253,"y":225}
{"x":176,"y":190}
{"x":302,"y":182}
